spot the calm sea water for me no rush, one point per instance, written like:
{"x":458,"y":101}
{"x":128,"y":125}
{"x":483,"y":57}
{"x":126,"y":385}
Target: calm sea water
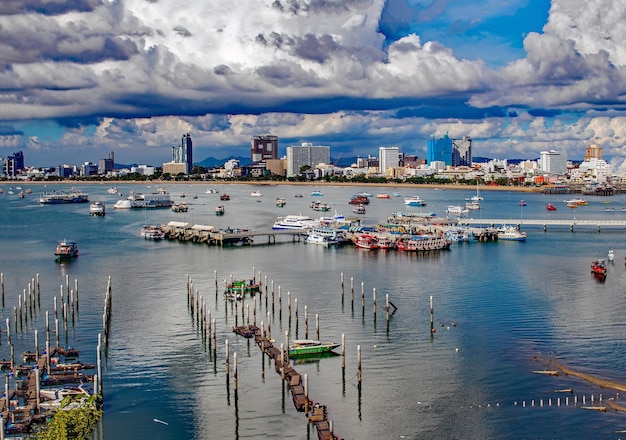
{"x":513,"y":305}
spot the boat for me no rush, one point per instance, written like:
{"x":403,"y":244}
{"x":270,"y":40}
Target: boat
{"x":280,"y":202}
{"x":386,"y":243}
{"x":224,"y":197}
{"x":456,"y":210}
{"x":522,"y":203}
{"x":152,"y":232}
{"x":60,"y":393}
{"x":112,"y":190}
{"x":423,"y":243}
{"x":550,"y":207}
{"x":180,"y":207}
{"x":256,"y":194}
{"x":383,"y":196}
{"x":97,"y":209}
{"x":359,"y":209}
{"x":21,"y":195}
{"x":319,"y":206}
{"x":238,"y":288}
{"x":1,"y":191}
{"x":609,"y":209}
{"x":299,"y":196}
{"x":397,"y":194}
{"x":473,"y":205}
{"x":294,"y":222}
{"x":219,"y":210}
{"x":477,"y":197}
{"x":320,"y":239}
{"x":28,"y":191}
{"x":366,"y":241}
{"x":611,"y":256}
{"x":317,"y":193}
{"x":211,"y":191}
{"x":303,"y":347}
{"x":414,"y":201}
{"x":511,"y":233}
{"x":138,"y":200}
{"x":56,"y":198}
{"x":573,"y":205}
{"x":359,"y":200}
{"x":334,"y":235}
{"x":598,"y":266}
{"x":579,"y":202}
{"x":66,"y":250}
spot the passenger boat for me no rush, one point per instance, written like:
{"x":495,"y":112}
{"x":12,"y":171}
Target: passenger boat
{"x":224,"y":197}
{"x":56,"y":198}
{"x":256,"y":194}
{"x":317,"y":193}
{"x":414,"y":201}
{"x":550,"y":207}
{"x":511,"y":233}
{"x":295,"y":222}
{"x":383,"y":196}
{"x":359,"y":209}
{"x":152,"y":232}
{"x":598,"y":266}
{"x":359,"y":200}
{"x":334,"y":235}
{"x":303,"y":347}
{"x":97,"y":209}
{"x":456,"y":210}
{"x":423,"y":243}
{"x":66,"y":250}
{"x":238,"y":288}
{"x":366,"y":241}
{"x":386,"y":243}
{"x":219,"y":210}
{"x":180,"y":207}
{"x":280,"y":202}
{"x":138,"y":200}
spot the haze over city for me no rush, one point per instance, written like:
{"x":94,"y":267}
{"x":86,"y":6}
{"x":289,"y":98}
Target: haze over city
{"x":82,"y":78}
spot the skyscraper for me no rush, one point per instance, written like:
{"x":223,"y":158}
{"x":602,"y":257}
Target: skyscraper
{"x":388,"y":157}
{"x":305,"y":155}
{"x":263,"y":148}
{"x":553,"y":162}
{"x":13,"y":164}
{"x":453,"y":152}
{"x":184,"y":153}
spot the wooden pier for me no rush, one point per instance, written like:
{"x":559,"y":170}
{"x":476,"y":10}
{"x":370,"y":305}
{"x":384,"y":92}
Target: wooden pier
{"x":316,"y":412}
{"x":209,"y":235}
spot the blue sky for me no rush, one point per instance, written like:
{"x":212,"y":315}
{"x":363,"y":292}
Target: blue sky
{"x":79,"y":79}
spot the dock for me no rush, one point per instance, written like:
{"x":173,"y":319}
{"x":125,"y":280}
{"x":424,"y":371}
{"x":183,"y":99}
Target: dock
{"x":316,"y":412}
{"x":569,"y":223}
{"x":219,"y":237}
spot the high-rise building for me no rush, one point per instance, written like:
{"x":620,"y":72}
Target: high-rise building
{"x":263,"y":148}
{"x":554,"y":162}
{"x":453,"y":152}
{"x":13,"y":164}
{"x":305,"y":155}
{"x":184,"y":153}
{"x":388,"y":157}
{"x":593,"y":152}
{"x":107,"y":165}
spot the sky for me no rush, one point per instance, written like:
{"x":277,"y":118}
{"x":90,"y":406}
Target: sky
{"x":81,"y":78}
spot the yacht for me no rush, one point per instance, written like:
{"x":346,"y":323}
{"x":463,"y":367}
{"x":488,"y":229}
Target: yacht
{"x":294,"y":222}
{"x":138,"y":200}
{"x":414,"y":201}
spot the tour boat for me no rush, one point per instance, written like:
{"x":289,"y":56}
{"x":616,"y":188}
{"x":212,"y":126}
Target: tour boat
{"x":550,"y":207}
{"x":366,"y":241}
{"x":97,"y":209}
{"x":423,"y":243}
{"x":414,"y":201}
{"x":138,"y":200}
{"x":598,"y":266}
{"x":180,"y":207}
{"x":66,"y":250}
{"x":295,"y":222}
{"x":219,"y":210}
{"x":55,"y":198}
{"x":511,"y":233}
{"x":152,"y":232}
{"x":303,"y":347}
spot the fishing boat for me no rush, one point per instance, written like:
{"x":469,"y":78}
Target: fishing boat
{"x":423,"y":243}
{"x":359,"y":209}
{"x":414,"y":201}
{"x":56,"y":198}
{"x":366,"y":241}
{"x":66,"y":250}
{"x":180,"y":207}
{"x":219,"y":210}
{"x":280,"y":202}
{"x":303,"y":347}
{"x":224,"y":197}
{"x":97,"y":209}
{"x":598,"y":266}
{"x":550,"y":207}
{"x":152,"y":232}
{"x":511,"y":233}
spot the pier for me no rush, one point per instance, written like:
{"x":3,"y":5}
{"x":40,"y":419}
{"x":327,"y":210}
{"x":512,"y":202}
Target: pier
{"x":209,"y":235}
{"x":571,"y":223}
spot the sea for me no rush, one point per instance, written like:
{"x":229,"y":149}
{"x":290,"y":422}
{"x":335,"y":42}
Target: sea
{"x":503,"y":311}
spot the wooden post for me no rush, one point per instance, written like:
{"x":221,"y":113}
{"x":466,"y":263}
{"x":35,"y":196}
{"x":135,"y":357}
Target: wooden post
{"x":343,"y":350}
{"x":262,"y":338}
{"x":282,"y":361}
{"x":253,"y":274}
{"x":358,"y":361}
{"x":317,"y":326}
{"x":432,"y":316}
{"x":374,"y":299}
{"x":289,"y":304}
{"x":342,"y":289}
{"x":235,"y":370}
{"x":287,"y":344}
{"x":269,"y":327}
{"x":352,"y":288}
{"x":306,"y":323}
{"x":306,"y":393}
{"x":227,"y":357}
{"x":36,"y":346}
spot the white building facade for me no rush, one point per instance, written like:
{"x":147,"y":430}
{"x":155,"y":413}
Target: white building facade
{"x":554,"y":162}
{"x":388,"y":157}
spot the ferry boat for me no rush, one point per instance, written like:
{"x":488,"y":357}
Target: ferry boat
{"x":294,"y":222}
{"x":598,"y":266}
{"x":366,"y":241}
{"x":550,"y":207}
{"x":56,"y":198}
{"x":66,"y":250}
{"x":180,"y":207}
{"x":423,"y":243}
{"x":511,"y":233}
{"x":359,"y":209}
{"x":219,"y":210}
{"x":138,"y":200}
{"x":97,"y":209}
{"x":414,"y":201}
{"x":303,"y":347}
{"x":152,"y":232}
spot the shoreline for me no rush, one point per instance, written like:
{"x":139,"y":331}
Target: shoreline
{"x":443,"y":186}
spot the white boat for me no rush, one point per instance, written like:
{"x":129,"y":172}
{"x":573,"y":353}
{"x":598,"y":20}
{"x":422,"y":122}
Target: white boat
{"x":211,"y":191}
{"x":456,"y":210}
{"x":321,"y":240}
{"x":359,"y":209}
{"x":138,"y":200}
{"x":97,"y":209}
{"x":317,"y":193}
{"x":152,"y":232}
{"x":112,"y":190}
{"x":60,"y":393}
{"x":295,"y":222}
{"x":472,"y":205}
{"x":611,"y":256}
{"x":414,"y":201}
{"x":511,"y":233}
{"x":397,"y":194}
{"x":256,"y":194}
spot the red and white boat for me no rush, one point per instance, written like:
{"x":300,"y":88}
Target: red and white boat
{"x":383,"y":196}
{"x":550,"y":207}
{"x":366,"y":241}
{"x":598,"y":266}
{"x":386,"y":243}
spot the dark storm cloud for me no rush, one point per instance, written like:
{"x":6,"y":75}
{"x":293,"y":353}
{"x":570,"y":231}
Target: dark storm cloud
{"x":47,"y":7}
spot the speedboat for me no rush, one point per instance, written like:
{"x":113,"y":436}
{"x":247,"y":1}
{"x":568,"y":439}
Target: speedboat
{"x":550,"y":207}
{"x":511,"y":233}
{"x":317,"y":193}
{"x":256,"y":194}
{"x":303,"y":347}
{"x":598,"y":266}
{"x":66,"y":250}
{"x":295,"y":222}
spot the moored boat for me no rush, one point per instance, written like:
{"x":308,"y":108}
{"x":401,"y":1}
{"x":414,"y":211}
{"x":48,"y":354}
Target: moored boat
{"x":66,"y":250}
{"x":611,"y":256}
{"x":456,"y":210}
{"x":97,"y":209}
{"x":511,"y":233}
{"x":219,"y":210}
{"x":138,"y":200}
{"x":303,"y":347}
{"x":152,"y":232}
{"x":256,"y":194}
{"x":180,"y":207}
{"x":359,"y":209}
{"x":320,"y":239}
{"x":366,"y":241}
{"x":295,"y":222}
{"x":423,"y":243}
{"x":56,"y":198}
{"x":237,"y":288}
{"x":383,"y":196}
{"x":224,"y":197}
{"x":280,"y":202}
{"x":317,"y":193}
{"x":522,"y":203}
{"x":414,"y":201}
{"x":472,"y":205}
{"x":598,"y":266}
{"x":359,"y":200}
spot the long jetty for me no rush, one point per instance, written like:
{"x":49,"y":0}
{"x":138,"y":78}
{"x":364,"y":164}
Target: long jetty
{"x":570,"y":223}
{"x":209,"y":235}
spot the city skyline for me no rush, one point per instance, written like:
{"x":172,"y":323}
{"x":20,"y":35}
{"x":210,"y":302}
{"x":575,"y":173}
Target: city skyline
{"x":82,"y":79}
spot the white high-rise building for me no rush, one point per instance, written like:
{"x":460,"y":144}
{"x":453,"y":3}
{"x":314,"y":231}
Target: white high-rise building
{"x":554,"y":162}
{"x":305,"y":155}
{"x":388,"y":157}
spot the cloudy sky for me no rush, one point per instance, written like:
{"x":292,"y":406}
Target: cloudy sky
{"x":83,"y":77}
